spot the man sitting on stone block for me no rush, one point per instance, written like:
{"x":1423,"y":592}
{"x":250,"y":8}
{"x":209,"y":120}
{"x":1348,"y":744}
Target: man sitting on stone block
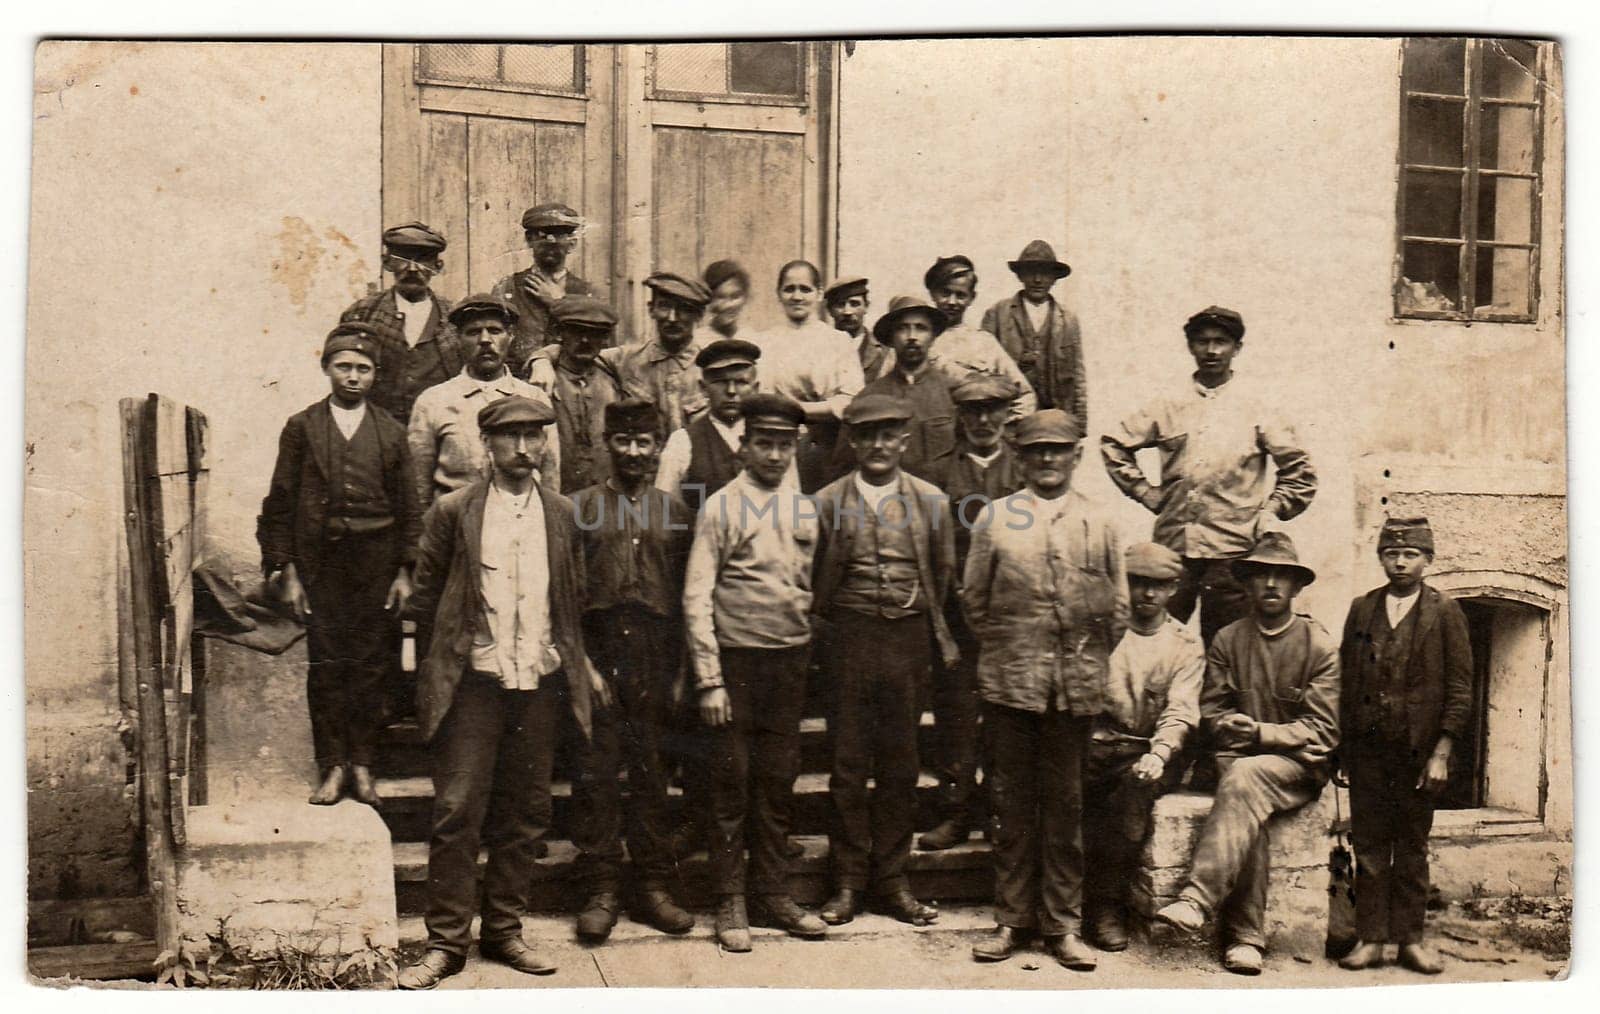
{"x":1271,"y":705}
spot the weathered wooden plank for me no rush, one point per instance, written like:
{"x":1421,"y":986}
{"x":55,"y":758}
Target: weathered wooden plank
{"x":95,"y":961}
{"x":678,"y":204}
{"x":199,"y":435}
{"x":504,"y":160}
{"x":753,"y":206}
{"x":402,"y":136}
{"x":444,"y":199}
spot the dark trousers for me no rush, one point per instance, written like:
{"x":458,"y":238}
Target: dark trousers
{"x":1389,"y":823}
{"x":879,"y":667}
{"x":491,"y":785}
{"x":638,"y":654}
{"x":754,"y":761}
{"x":1228,"y":874}
{"x":1036,"y":789}
{"x":1211,"y":583}
{"x":350,"y":645}
{"x":1116,"y":821}
{"x":956,"y":726}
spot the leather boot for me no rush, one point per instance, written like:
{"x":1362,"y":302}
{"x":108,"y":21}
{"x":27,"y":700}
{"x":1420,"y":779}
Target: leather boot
{"x":362,"y":787}
{"x":842,"y":907}
{"x":431,"y":969}
{"x":780,"y":911}
{"x":1109,"y":929}
{"x":332,"y":788}
{"x":999,"y":945}
{"x":904,"y":906}
{"x":513,"y":952}
{"x":947,"y":835}
{"x":1365,"y":955}
{"x":733,"y":924}
{"x":655,"y":907}
{"x":1419,"y":958}
{"x":1071,"y":952}
{"x":598,"y":917}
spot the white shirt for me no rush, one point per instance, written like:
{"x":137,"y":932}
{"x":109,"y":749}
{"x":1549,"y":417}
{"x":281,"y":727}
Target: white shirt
{"x":415,"y":314}
{"x":874,"y":496}
{"x":516,"y":643}
{"x":1038,"y":313}
{"x":1397,"y":607}
{"x":985,"y":460}
{"x":675,"y":456}
{"x":810,"y":363}
{"x":347,"y":419}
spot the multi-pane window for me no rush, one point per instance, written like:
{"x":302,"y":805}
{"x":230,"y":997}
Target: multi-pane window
{"x":726,"y":71}
{"x":545,"y":69}
{"x":1470,"y":179}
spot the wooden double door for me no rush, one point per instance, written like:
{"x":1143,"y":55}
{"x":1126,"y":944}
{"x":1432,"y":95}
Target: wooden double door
{"x":675,"y":154}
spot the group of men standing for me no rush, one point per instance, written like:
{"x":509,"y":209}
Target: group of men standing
{"x":658,"y":544}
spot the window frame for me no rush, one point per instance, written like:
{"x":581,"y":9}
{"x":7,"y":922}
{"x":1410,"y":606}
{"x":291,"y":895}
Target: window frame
{"x":1472,"y":173}
{"x":800,"y":101}
{"x":580,"y":73}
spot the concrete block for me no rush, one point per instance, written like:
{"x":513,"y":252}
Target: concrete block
{"x":316,"y":878}
{"x":1498,"y":867}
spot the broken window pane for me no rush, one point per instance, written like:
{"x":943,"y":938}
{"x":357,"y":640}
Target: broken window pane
{"x":1433,"y":204}
{"x":1505,"y":138}
{"x":1505,"y":209}
{"x":1510,"y":69}
{"x":1431,"y":278}
{"x":766,"y":68}
{"x":1435,"y":132}
{"x":1504,"y":281}
{"x":1435,"y":65}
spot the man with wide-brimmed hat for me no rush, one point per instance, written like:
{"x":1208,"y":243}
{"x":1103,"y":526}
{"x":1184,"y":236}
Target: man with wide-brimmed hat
{"x":1041,"y":334}
{"x":1271,"y":706}
{"x":885,"y":564}
{"x":846,"y":299}
{"x":1406,"y":659}
{"x":447,"y":451}
{"x":338,"y":531}
{"x":662,"y":370}
{"x":500,"y":576}
{"x":551,"y":231}
{"x":1043,"y":589}
{"x":416,"y":343}
{"x":581,"y":384}
{"x":911,"y":329}
{"x":952,"y":284}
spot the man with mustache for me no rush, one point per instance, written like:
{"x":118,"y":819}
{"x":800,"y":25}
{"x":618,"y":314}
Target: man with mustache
{"x":635,"y":548}
{"x":1041,"y":334}
{"x":1271,"y":705}
{"x":662,"y":370}
{"x":416,"y":343}
{"x":847,"y":302}
{"x":551,"y":232}
{"x":581,"y":386}
{"x":447,"y":452}
{"x":911,"y":328}
{"x":952,"y":285}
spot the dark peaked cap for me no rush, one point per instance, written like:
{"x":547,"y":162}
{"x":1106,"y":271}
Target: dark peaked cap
{"x":866,"y":409}
{"x":553,"y":215}
{"x":1229,"y":320}
{"x":768,"y":411}
{"x":726,"y":352}
{"x":688,"y":290}
{"x":480,"y":304}
{"x":632,"y":415}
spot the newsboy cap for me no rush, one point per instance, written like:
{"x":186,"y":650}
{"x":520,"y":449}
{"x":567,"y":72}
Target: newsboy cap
{"x":947,"y":269}
{"x":727,"y":352}
{"x":1154,"y":561}
{"x":551,"y":216}
{"x":583,"y":311}
{"x":685,"y":290}
{"x":865,"y":409}
{"x":414,"y":236}
{"x":514,"y":409}
{"x":978,"y":388}
{"x":1228,"y":320}
{"x":351,"y":336}
{"x":1406,"y":533}
{"x":844,"y":288}
{"x":1273,"y":549}
{"x":1047,"y":426}
{"x":899,"y":306}
{"x":1039,"y":254}
{"x":632,"y":415}
{"x":767,"y":411}
{"x":482,"y":303}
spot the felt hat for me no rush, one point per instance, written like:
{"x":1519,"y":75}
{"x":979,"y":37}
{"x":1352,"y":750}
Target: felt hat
{"x":1039,"y":254}
{"x":1273,"y":549}
{"x":899,"y":306}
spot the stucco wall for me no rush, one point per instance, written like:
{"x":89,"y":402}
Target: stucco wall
{"x":198,"y":213}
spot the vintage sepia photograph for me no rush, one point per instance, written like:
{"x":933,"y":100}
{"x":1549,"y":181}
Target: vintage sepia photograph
{"x":1029,"y":512}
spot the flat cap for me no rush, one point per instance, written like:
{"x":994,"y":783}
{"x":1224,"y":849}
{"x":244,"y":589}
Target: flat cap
{"x":947,"y":269}
{"x":767,"y":411}
{"x":551,"y":216}
{"x":899,"y":306}
{"x":414,"y":236}
{"x":480,"y":304}
{"x":632,"y":415}
{"x":686,"y":290}
{"x":583,"y":311}
{"x":1047,"y":426}
{"x":844,"y":288}
{"x":514,"y":409}
{"x":1228,"y":320}
{"x":982,"y":387}
{"x":351,"y":336}
{"x":877,"y":408}
{"x":1154,"y":561}
{"x":726,"y":352}
{"x":1406,"y":533}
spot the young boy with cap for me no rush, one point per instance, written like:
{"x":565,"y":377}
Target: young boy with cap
{"x":551,"y":233}
{"x":1040,"y":334}
{"x":338,"y":532}
{"x":582,"y":385}
{"x":1406,"y":659}
{"x":747,"y":607}
{"x":952,"y":284}
{"x":635,"y":548}
{"x":661,"y":370}
{"x":885,"y":563}
{"x":1152,"y":702}
{"x":847,"y":302}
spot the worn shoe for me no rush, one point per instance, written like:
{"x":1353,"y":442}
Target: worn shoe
{"x":945,"y":836}
{"x":332,"y":788}
{"x":1109,"y":930}
{"x":1242,"y":959}
{"x":656,"y":908}
{"x":513,"y":952}
{"x":1364,"y":955}
{"x":1420,"y":959}
{"x":598,"y":917}
{"x":842,"y":907}
{"x":733,"y":925}
{"x":1071,"y":952}
{"x":1182,"y":915}
{"x":904,"y":906}
{"x":431,"y":969}
{"x":780,"y":911}
{"x":999,"y":945}
{"x":362,"y":787}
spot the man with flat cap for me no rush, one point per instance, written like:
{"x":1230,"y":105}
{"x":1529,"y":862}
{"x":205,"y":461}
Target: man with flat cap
{"x":911,"y":328}
{"x":338,"y":532}
{"x":747,"y":607}
{"x":447,"y":452}
{"x":702,"y":457}
{"x":551,"y":232}
{"x":885,"y":562}
{"x":662,"y":370}
{"x":952,"y":284}
{"x":581,"y":385}
{"x":500,"y":575}
{"x":635,"y":548}
{"x":417,"y":346}
{"x":1041,"y":334}
{"x":1271,"y":705}
{"x":1044,"y":590}
{"x":1216,"y":436}
{"x":1152,"y":703}
{"x":1406,"y":661}
{"x":847,"y":301}
{"x":983,"y":471}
